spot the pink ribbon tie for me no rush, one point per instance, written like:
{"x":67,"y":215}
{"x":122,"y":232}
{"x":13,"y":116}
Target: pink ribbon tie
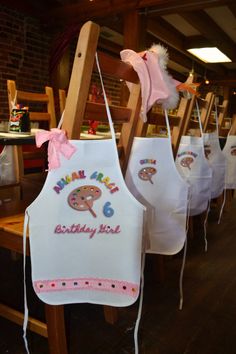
{"x":58,"y":143}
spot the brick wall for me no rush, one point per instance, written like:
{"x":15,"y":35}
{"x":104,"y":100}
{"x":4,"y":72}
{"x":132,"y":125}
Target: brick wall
{"x":25,"y":48}
{"x":24,"y":54}
{"x":112,"y":87}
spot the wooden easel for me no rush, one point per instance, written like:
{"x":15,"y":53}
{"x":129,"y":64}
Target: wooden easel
{"x":222,"y":111}
{"x":77,"y":106}
{"x":76,"y":109}
{"x":206,"y":107}
{"x":180,"y":123}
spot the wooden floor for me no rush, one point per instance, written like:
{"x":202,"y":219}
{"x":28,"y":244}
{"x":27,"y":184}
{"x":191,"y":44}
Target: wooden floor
{"x":206,"y":324}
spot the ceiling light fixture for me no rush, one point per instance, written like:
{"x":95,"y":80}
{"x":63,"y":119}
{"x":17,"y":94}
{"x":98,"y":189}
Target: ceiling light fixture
{"x":209,"y":55}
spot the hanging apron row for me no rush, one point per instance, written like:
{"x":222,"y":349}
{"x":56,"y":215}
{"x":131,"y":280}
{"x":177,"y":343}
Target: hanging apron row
{"x":86,"y":218}
{"x":86,"y":227}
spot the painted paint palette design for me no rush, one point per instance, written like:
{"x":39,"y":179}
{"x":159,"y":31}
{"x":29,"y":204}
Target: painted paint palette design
{"x":83,"y":197}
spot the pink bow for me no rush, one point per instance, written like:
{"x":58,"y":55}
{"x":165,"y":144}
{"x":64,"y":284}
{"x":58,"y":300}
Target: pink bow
{"x":58,"y":143}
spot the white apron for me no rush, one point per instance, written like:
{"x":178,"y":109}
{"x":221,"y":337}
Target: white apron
{"x":229,"y":152}
{"x":217,"y":162}
{"x":194,"y":168}
{"x":85,"y":230}
{"x":153,"y":179}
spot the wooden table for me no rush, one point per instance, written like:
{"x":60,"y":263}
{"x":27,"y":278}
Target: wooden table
{"x":16,"y":139}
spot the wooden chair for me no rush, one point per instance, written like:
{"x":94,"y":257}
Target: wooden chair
{"x":42,"y":112}
{"x":179,"y":123}
{"x":46,"y":98}
{"x":29,"y":155}
{"x":76,"y":110}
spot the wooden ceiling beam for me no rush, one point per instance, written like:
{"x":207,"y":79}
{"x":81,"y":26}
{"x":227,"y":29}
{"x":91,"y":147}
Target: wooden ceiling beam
{"x":162,"y":30}
{"x":196,"y":42}
{"x":210,"y":30}
{"x":227,"y":80}
{"x":176,"y":56}
{"x":168,"y":7}
{"x":88,"y":10}
{"x":132,"y":30}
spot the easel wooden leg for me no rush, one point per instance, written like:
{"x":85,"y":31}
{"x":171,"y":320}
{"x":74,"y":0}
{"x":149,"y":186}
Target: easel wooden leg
{"x":159,"y":269}
{"x":56,"y":329}
{"x":110,"y":314}
{"x":191,"y":227}
{"x":229,"y":199}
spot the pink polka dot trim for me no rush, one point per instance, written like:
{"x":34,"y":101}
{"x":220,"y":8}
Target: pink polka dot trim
{"x":114,"y":286}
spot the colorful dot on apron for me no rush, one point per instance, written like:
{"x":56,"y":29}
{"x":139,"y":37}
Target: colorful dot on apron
{"x":63,"y":284}
{"x":100,"y":284}
{"x":124,"y":287}
{"x":52,"y":285}
{"x":75,"y":283}
{"x":86,"y":282}
{"x":40,"y":286}
{"x":133,"y":290}
{"x":113,"y":285}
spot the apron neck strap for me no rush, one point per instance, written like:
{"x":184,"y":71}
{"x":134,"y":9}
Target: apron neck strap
{"x":113,"y":135}
{"x":106,"y":102}
{"x":167,"y":124}
{"x":61,"y":120}
{"x":199,"y":117}
{"x":26,"y":311}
